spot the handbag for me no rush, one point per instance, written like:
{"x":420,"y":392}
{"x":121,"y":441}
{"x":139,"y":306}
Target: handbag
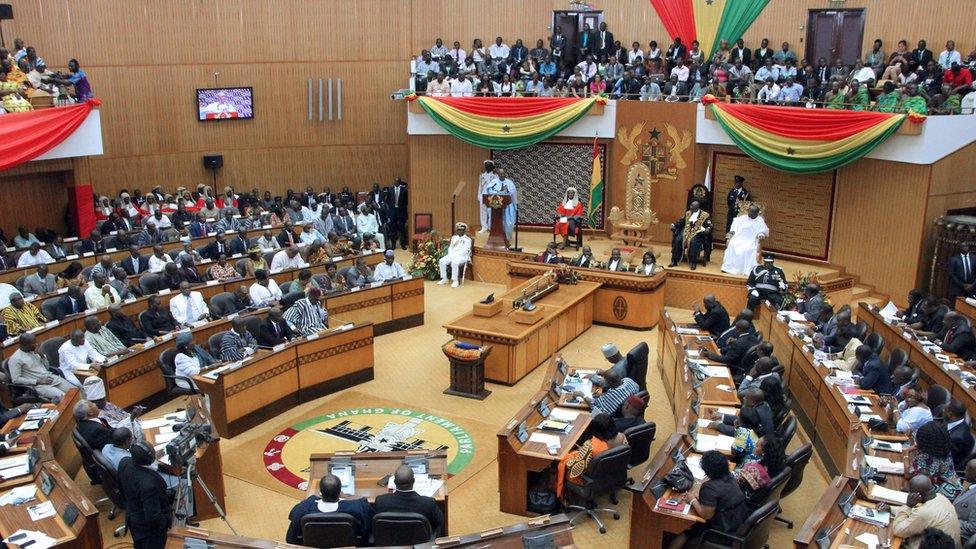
{"x":543,"y":501}
{"x":680,"y":478}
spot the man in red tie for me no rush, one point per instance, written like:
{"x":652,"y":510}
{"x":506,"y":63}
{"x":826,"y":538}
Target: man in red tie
{"x":958,"y":336}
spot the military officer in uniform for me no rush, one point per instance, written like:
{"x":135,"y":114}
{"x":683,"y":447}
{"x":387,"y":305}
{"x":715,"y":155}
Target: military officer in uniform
{"x":737,"y":193}
{"x":766,"y":282}
{"x":691,"y":234}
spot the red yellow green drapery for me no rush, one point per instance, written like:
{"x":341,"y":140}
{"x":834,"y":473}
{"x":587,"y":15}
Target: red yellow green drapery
{"x":708,"y":21}
{"x":800,"y":140}
{"x":505,"y":123}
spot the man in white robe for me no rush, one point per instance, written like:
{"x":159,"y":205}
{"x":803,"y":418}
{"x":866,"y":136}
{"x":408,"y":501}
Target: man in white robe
{"x":484,"y":179}
{"x":744,"y":236}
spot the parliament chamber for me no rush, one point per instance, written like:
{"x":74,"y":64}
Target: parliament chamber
{"x":412,"y":273}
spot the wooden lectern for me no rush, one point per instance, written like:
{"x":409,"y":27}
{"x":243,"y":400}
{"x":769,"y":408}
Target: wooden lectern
{"x":468,"y":376}
{"x":496,"y":237}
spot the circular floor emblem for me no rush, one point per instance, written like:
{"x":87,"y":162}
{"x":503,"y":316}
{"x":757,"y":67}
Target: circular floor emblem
{"x":364,"y":430}
{"x":619,"y":308}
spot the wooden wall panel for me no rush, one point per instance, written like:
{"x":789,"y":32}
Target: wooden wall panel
{"x":951,"y":187}
{"x":878,"y":222}
{"x":47,"y":189}
{"x":797,"y":207}
{"x":437,"y":163}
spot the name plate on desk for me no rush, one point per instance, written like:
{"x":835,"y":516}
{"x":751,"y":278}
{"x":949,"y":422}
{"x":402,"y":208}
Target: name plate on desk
{"x":164,"y":291}
{"x":52,"y":324}
{"x":90,"y":311}
{"x":213,"y":282}
{"x":356,"y":289}
{"x":337,"y":258}
{"x":376,"y":284}
{"x":527,"y":317}
{"x":110,"y":250}
{"x":70,"y":257}
{"x":130,"y":300}
{"x":61,"y":291}
{"x":87,"y":254}
{"x":279,"y":347}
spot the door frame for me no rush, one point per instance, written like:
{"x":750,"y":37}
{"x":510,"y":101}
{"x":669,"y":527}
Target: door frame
{"x":809,"y":54}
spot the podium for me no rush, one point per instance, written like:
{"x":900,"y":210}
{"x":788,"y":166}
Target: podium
{"x":496,"y":236}
{"x":468,"y":376}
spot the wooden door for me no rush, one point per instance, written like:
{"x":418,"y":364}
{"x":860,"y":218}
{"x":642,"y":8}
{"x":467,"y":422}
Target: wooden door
{"x":835,"y":34}
{"x":569,"y":22}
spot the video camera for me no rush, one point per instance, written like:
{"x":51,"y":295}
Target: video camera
{"x":182,"y":449}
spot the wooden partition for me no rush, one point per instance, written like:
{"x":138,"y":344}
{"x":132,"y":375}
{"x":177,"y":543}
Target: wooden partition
{"x":53,"y":439}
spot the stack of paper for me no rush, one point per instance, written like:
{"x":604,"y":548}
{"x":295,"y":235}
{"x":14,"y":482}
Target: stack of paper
{"x":694,"y":464}
{"x":705,"y":443}
{"x":30,"y":538}
{"x":872,"y":516}
{"x":887,"y":446}
{"x":716,"y":371}
{"x":422,"y":484}
{"x":889,"y":312}
{"x":154,"y":423}
{"x":888,"y":495}
{"x":19,"y":495}
{"x":688,"y":331}
{"x":564,"y":414}
{"x":884,"y":465}
{"x":41,"y":510}
{"x":543,"y":438}
{"x":14,"y":466}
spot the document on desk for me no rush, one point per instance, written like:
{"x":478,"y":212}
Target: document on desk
{"x":41,"y":510}
{"x":885,"y":465}
{"x":346,"y":478}
{"x":14,"y":466}
{"x":705,"y":443}
{"x":694,"y":464}
{"x":154,"y":423}
{"x":888,"y":495}
{"x":727,"y":411}
{"x":19,"y":494}
{"x":215,"y":373}
{"x":422,"y":484}
{"x":40,"y":413}
{"x":543,"y":438}
{"x":564,"y":414}
{"x":688,"y":331}
{"x":32,"y":539}
{"x":716,"y":371}
{"x":887,"y":446}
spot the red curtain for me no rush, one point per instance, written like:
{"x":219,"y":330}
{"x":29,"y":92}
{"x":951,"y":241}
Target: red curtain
{"x":27,"y":135}
{"x":678,"y":17}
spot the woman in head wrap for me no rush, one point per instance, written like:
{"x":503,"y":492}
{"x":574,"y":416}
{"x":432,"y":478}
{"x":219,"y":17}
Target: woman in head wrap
{"x":190,"y":359}
{"x":255,"y":262}
{"x":934,"y":459}
{"x":567,"y":214}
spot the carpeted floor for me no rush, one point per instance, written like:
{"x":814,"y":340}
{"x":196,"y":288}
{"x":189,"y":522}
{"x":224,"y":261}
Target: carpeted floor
{"x":410,"y":369}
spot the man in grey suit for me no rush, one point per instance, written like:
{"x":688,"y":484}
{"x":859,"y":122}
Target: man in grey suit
{"x":965,"y":504}
{"x":39,"y":283}
{"x":812,"y":302}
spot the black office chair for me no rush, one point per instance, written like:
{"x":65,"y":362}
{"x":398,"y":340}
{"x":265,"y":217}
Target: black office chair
{"x":253,"y":325}
{"x":875,"y":341}
{"x":149,"y":283}
{"x":786,"y":431}
{"x":771,"y":492}
{"x":214,"y":343}
{"x":268,"y":256}
{"x":797,"y":462}
{"x":20,"y":394}
{"x":49,"y":350}
{"x":644,"y":395}
{"x":861,"y":330}
{"x":605,"y":474}
{"x":752,"y":534}
{"x":86,"y":272}
{"x":328,"y":530}
{"x":110,"y":483}
{"x":167,"y":366}
{"x":241,"y":266}
{"x":637,"y":361}
{"x":49,"y":308}
{"x":897,"y":358}
{"x":290,"y":298}
{"x":393,"y":529}
{"x":640,"y":438}
{"x":19,"y":283}
{"x":223,"y":304}
{"x":87,"y":460}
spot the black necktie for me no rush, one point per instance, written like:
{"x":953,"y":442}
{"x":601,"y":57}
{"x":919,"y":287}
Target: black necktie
{"x":276,"y":329}
{"x":966,"y":269}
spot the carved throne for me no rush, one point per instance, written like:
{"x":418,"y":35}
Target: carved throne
{"x":631,"y":226}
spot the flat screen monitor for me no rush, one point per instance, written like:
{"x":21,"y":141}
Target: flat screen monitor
{"x":225,"y":104}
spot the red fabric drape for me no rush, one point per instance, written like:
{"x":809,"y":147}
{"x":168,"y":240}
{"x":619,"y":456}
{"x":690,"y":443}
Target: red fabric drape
{"x":817,"y":124}
{"x":678,"y":17}
{"x":507,"y":107}
{"x":27,"y":135}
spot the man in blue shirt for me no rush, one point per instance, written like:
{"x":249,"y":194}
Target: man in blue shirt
{"x":790,"y":93}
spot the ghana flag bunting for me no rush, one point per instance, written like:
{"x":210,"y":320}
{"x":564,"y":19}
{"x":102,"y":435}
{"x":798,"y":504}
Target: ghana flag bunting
{"x":708,"y":21}
{"x":505,"y":123}
{"x":800,"y":140}
{"x":596,"y":187}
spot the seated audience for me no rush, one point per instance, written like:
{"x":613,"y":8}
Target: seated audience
{"x":616,"y":262}
{"x":406,"y":500}
{"x":603,"y":436}
{"x":77,"y":354}
{"x":34,"y":256}
{"x":40,"y":282}
{"x":274,"y":329}
{"x":188,"y":306}
{"x":960,"y":433}
{"x":631,"y":414}
{"x":735,"y":352}
{"x":122,"y":326}
{"x":21,"y":316}
{"x":550,"y":255}
{"x":714,"y":319}
{"x":307,"y":315}
{"x":237,"y":342}
{"x":157,"y":320}
{"x":389,"y":269}
{"x":264,"y":291}
{"x":93,"y":431}
{"x":30,"y":368}
{"x":102,"y":340}
{"x":933,"y":458}
{"x":755,"y":415}
{"x":359,"y":275}
{"x":755,"y":475}
{"x":189,"y":360}
{"x":328,"y":500}
{"x":965,"y":505}
{"x":926,"y":508}
{"x":615,"y":393}
{"x":874,"y":372}
{"x":101,"y":294}
{"x":719,"y":501}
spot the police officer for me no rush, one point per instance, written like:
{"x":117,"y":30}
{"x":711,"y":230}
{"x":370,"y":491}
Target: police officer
{"x":766,"y":282}
{"x":736,"y":193}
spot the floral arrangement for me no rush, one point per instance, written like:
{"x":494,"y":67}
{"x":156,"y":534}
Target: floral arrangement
{"x":452,"y":350}
{"x":424,"y":262}
{"x":566,"y":275}
{"x":916,"y":117}
{"x":795,"y":288}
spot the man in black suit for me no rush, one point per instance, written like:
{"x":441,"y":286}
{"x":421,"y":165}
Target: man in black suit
{"x":962,"y":273}
{"x":714,"y":318}
{"x":376,"y":195}
{"x":147,"y":508}
{"x":755,"y":414}
{"x":94,"y":430}
{"x":722,"y":340}
{"x":71,"y":303}
{"x":740,"y":51}
{"x":274,"y":330}
{"x":960,"y":435}
{"x":397,"y":208}
{"x":550,"y":255}
{"x":188,"y":272}
{"x":957,"y":336}
{"x":733,"y":355}
{"x":136,"y":263}
{"x":123,"y":327}
{"x":585,"y":259}
{"x":405,"y":500}
{"x":604,"y":42}
{"x":216,"y":248}
{"x":676,"y":51}
{"x":922,"y":55}
{"x":287,"y":235}
{"x":874,"y":373}
{"x":240,"y":243}
{"x":157,"y":320}
{"x":93,"y":244}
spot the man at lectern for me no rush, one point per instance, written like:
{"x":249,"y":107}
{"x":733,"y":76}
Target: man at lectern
{"x":505,"y":186}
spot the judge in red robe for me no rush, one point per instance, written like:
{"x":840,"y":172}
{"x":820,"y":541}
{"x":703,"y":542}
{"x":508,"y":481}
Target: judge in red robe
{"x":566,"y":214}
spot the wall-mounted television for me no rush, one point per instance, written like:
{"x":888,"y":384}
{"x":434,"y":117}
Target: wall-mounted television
{"x":225,"y":103}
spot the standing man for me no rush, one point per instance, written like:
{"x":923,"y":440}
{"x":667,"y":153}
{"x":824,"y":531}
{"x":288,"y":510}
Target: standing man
{"x":558,"y":45}
{"x":736,"y":193}
{"x":502,"y":185}
{"x":397,"y":207}
{"x":484,"y":180}
{"x":458,"y":254}
{"x":962,"y":273}
{"x":604,"y":41}
{"x":148,"y":512}
{"x":766,"y":282}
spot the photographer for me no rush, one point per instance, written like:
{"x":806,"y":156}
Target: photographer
{"x":147,"y":507}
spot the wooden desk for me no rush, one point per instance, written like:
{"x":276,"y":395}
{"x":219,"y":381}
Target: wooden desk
{"x":520,"y":348}
{"x":827,"y":514}
{"x":510,"y":537}
{"x":518,"y":461}
{"x":177,"y":535}
{"x":210,"y":465}
{"x":83,"y":533}
{"x":681,"y":385}
{"x":649,"y":525}
{"x":53,"y":439}
{"x":372,"y":467}
{"x":627,"y":300}
{"x":272,"y":381}
{"x":967,"y":309}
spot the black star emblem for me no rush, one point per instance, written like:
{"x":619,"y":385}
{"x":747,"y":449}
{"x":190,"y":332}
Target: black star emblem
{"x":790,"y":151}
{"x":655,"y":134}
{"x":709,"y":2}
{"x":506,"y":129}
